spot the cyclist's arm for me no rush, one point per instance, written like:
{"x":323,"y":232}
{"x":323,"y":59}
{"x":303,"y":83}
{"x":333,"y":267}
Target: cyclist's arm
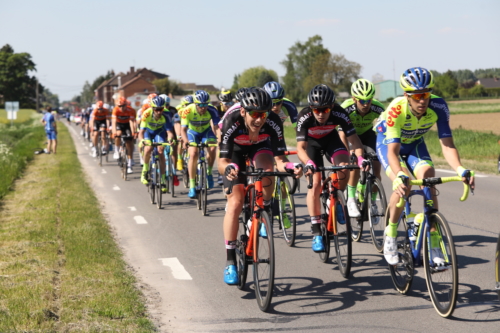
{"x":184,"y":130}
{"x":113,"y":125}
{"x":356,"y":144}
{"x":141,"y":134}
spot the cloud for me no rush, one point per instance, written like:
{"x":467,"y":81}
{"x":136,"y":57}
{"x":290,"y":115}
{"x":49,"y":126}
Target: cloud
{"x":445,"y":30}
{"x":392,"y":32}
{"x":317,"y":22}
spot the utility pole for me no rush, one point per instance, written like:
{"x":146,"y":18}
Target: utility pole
{"x":37,"y":100}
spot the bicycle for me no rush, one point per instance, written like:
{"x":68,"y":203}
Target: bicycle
{"x":331,"y":223}
{"x":170,"y":171}
{"x":154,"y":174}
{"x":283,"y":205}
{"x":185,"y":171}
{"x":102,"y":131}
{"x":201,"y":176}
{"x":251,"y":248}
{"x":122,"y":155}
{"x":441,"y":279}
{"x":497,"y":268}
{"x":372,"y":203}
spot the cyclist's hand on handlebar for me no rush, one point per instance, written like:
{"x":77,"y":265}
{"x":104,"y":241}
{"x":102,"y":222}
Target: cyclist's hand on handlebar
{"x":310,"y":168}
{"x":231,"y":171}
{"x":467,"y":177}
{"x":296,"y":168}
{"x":363,"y":164}
{"x":399,"y":184}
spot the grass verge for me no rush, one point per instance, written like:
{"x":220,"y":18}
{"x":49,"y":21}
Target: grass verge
{"x":60,"y":268}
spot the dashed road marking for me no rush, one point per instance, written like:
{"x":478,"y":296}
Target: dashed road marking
{"x":103,"y":171}
{"x":116,"y":188}
{"x":140,"y":220}
{"x":178,"y":270}
{"x":132,"y":208}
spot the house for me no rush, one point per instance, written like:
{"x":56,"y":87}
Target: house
{"x":106,"y":90}
{"x":489,"y":82}
{"x":190,"y":88}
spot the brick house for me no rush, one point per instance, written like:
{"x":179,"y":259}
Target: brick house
{"x":489,"y":82}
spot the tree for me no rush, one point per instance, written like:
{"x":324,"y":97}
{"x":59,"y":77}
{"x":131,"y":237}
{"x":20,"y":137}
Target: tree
{"x":15,"y":82}
{"x":166,"y":86}
{"x":254,"y":76}
{"x":48,"y":98}
{"x":235,"y":86}
{"x":298,"y":65}
{"x":446,"y":85}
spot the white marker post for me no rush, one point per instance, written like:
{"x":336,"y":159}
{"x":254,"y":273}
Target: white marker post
{"x":12,"y":108}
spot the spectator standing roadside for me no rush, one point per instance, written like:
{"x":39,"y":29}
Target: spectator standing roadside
{"x":49,"y":121}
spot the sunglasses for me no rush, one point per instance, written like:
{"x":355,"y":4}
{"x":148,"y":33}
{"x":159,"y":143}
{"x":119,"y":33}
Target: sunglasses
{"x":321,"y":110}
{"x":420,"y":96}
{"x":122,"y":106}
{"x":277,"y":101}
{"x":160,"y":108}
{"x":364,"y":101}
{"x":228,"y":103}
{"x":202,"y":105}
{"x":257,"y":114}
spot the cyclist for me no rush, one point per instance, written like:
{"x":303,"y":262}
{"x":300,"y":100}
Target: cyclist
{"x":363,"y":110}
{"x":402,"y":151}
{"x":123,"y":122}
{"x":226,"y":99}
{"x":282,"y":106}
{"x":155,"y":126}
{"x":255,"y":133}
{"x":85,"y":120}
{"x":100,"y":118}
{"x":185,"y":101}
{"x":198,"y":121}
{"x":316,"y":135}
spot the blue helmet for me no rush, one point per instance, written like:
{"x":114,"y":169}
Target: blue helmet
{"x":166,"y":98}
{"x":275,"y":90}
{"x":201,"y":96}
{"x":416,"y":78}
{"x":157,"y":102}
{"x":188,"y":99}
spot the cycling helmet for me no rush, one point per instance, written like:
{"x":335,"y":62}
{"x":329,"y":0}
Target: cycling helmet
{"x":151,"y":96}
{"x":256,"y":99}
{"x":145,"y":101}
{"x":106,"y":106}
{"x":157,"y":102}
{"x":363,"y":89}
{"x":201,"y":96}
{"x":188,"y":99}
{"x":99,"y":104}
{"x":240,"y":93}
{"x":321,"y":95}
{"x":164,"y":96}
{"x":121,"y":101}
{"x":416,"y":78}
{"x":167,"y":100}
{"x":225,"y":96}
{"x":275,"y":90}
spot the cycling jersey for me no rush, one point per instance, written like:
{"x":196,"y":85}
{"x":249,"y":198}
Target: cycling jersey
{"x":149,"y":123}
{"x":234,"y":132}
{"x":288,"y":109}
{"x":197,"y":122}
{"x":234,"y":108}
{"x":309,"y":128}
{"x":400,"y":125}
{"x":123,"y":116}
{"x":100,"y":114}
{"x":361,"y":123}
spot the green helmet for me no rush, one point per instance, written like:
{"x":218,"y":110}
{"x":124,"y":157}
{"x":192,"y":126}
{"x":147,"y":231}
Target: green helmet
{"x":363,"y":89}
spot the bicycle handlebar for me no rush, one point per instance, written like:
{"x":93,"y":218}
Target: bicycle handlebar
{"x":157,"y":144}
{"x":202,"y":145}
{"x":434,"y":181}
{"x":330,"y":168}
{"x":259,"y":173}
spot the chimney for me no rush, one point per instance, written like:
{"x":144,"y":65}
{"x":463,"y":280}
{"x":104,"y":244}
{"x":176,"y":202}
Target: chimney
{"x":132,"y":69}
{"x":119,"y":81}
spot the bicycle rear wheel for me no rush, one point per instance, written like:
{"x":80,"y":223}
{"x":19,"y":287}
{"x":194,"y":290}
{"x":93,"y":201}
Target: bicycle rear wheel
{"x":402,"y":273}
{"x":185,"y":177}
{"x":241,"y":244}
{"x":203,"y":189}
{"x":263,"y":267}
{"x":376,"y":212}
{"x":171,"y":172}
{"x":442,"y":280}
{"x":342,"y":240}
{"x":158,"y":187}
{"x":287,"y":211}
{"x":356,"y":222}
{"x":152,"y":182}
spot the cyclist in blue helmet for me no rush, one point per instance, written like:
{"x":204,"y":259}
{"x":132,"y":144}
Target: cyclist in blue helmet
{"x":282,"y":106}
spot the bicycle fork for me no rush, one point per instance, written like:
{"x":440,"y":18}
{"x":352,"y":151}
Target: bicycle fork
{"x":251,"y":249}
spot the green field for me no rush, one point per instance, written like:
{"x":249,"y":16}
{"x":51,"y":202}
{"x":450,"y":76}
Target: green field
{"x":461,"y":108}
{"x":22,"y":116}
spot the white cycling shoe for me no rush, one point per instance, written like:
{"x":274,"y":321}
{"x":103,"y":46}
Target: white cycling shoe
{"x":390,"y":250}
{"x":353,"y":208}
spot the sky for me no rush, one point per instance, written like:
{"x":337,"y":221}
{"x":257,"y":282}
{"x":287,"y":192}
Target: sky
{"x":208,"y":42}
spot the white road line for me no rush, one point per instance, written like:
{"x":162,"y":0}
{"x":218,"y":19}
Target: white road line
{"x":86,"y":147}
{"x":116,"y":188}
{"x":132,"y":208}
{"x":178,"y":271}
{"x":103,"y":171}
{"x":450,"y":171}
{"x":140,"y":220}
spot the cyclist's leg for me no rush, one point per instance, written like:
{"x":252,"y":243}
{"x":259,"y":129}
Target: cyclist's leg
{"x":262,"y":157}
{"x":209,"y":137}
{"x":194,"y":137}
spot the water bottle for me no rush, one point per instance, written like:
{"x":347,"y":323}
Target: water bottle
{"x":410,"y":220}
{"x":419,"y":218}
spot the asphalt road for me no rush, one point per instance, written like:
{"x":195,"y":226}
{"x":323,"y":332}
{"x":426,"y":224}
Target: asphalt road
{"x":179,"y":256}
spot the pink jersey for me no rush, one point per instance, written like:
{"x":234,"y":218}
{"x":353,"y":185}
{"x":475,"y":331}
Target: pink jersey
{"x":235,"y":107}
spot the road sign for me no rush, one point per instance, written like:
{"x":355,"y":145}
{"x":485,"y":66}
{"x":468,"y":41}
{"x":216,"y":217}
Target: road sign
{"x":11,"y":115}
{"x":11,"y":106}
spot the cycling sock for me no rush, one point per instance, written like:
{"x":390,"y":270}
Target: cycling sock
{"x":351,"y":191}
{"x":360,"y":188}
{"x":230,"y":252}
{"x":316,"y":225}
{"x":145,"y":167}
{"x":192,"y":183}
{"x":209,"y":170}
{"x":392,"y":229}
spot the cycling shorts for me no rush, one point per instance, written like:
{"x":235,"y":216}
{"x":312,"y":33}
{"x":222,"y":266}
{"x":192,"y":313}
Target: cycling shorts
{"x":411,"y":155}
{"x":99,"y":124}
{"x":205,"y":136}
{"x":240,"y":155}
{"x":159,"y":136}
{"x":330,"y":145}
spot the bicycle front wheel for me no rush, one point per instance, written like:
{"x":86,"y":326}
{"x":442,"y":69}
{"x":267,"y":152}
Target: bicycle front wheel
{"x":442,"y":279}
{"x":497,"y":268}
{"x":171,"y":168}
{"x":263,"y":266}
{"x":124,"y":163}
{"x":342,"y":240}
{"x":241,"y":244}
{"x":356,"y":222}
{"x":323,"y":256}
{"x":287,"y":211}
{"x":377,"y":206}
{"x":151,"y":185}
{"x":99,"y":149}
{"x":185,"y":177}
{"x":203,"y":189}
{"x":158,"y":188}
